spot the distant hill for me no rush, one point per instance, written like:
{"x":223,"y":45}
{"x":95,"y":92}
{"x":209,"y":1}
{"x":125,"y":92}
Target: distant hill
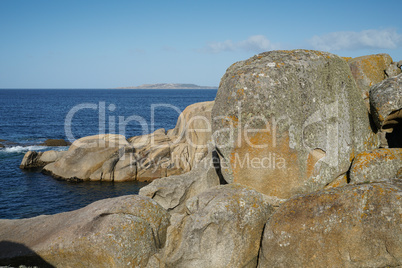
{"x":168,"y":86}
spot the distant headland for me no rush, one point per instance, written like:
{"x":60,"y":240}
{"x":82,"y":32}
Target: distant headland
{"x":168,"y":86}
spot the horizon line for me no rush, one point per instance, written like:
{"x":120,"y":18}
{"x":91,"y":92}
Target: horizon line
{"x":93,"y":88}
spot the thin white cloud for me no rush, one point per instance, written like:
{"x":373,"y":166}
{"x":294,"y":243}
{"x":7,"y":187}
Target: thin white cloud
{"x":374,"y":39}
{"x":169,"y":49}
{"x":255,"y":43}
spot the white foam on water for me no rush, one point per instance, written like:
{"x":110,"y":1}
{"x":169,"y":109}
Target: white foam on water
{"x":21,"y":149}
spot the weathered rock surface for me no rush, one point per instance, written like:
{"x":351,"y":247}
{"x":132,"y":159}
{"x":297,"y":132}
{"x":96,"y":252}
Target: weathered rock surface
{"x":351,"y":226}
{"x":289,"y":122}
{"x":34,"y":159}
{"x":393,"y":70}
{"x":123,"y":231}
{"x":173,"y":192}
{"x":386,"y":103}
{"x":194,"y":128}
{"x":222,"y":228}
{"x":376,"y":165}
{"x":31,"y":160}
{"x":153,"y":156}
{"x":85,"y":156}
{"x":372,"y":69}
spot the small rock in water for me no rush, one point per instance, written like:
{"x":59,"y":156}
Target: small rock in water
{"x":74,"y":179}
{"x":2,"y":145}
{"x":56,"y":142}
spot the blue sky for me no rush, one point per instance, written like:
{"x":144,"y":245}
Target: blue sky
{"x":103,"y":44}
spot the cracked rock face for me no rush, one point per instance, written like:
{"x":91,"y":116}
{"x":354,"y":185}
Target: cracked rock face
{"x":289,"y":122}
{"x":116,"y":232}
{"x":386,"y":103}
{"x":222,"y":228}
{"x":172,"y":192}
{"x":351,"y":226}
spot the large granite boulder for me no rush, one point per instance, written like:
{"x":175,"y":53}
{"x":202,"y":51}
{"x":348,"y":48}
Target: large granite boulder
{"x":173,"y":192}
{"x":376,"y":165}
{"x":117,"y":232}
{"x":222,"y":228}
{"x":85,"y":156}
{"x":372,"y":69}
{"x":351,"y":226}
{"x":289,"y":122}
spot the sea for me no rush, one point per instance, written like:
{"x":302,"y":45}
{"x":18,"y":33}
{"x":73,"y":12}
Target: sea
{"x":28,"y":117}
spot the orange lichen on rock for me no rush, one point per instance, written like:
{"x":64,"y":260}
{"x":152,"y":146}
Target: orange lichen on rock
{"x":369,"y":70}
{"x":260,"y":160}
{"x":366,"y":158}
{"x":240,"y":92}
{"x":338,"y":182}
{"x":279,"y":64}
{"x":331,"y":228}
{"x":379,"y":164}
{"x":230,"y":120}
{"x":347,"y":59}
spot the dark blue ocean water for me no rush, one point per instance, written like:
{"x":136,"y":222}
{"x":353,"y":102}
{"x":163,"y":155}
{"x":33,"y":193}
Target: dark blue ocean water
{"x":29,"y":117}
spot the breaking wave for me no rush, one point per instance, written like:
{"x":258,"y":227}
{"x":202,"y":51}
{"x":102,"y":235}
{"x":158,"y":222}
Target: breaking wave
{"x":23,"y":149}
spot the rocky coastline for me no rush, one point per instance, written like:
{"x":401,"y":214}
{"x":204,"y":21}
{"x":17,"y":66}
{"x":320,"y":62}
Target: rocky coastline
{"x":297,"y":163}
{"x":111,"y":157}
